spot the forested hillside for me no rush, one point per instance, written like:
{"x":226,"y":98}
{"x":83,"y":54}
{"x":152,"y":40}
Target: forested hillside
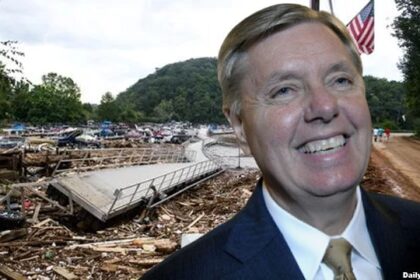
{"x":186,"y":91}
{"x":190,"y":91}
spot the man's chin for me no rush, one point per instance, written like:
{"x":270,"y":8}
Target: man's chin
{"x":328,"y":191}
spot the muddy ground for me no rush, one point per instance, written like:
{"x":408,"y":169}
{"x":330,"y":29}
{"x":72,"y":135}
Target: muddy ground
{"x":54,"y":250}
{"x":395,"y":167}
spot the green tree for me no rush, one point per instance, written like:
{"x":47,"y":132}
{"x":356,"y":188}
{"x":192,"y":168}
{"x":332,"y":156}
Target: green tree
{"x":407,"y":30}
{"x":164,"y":111}
{"x":9,"y":67}
{"x":20,"y":101}
{"x":55,"y":100}
{"x":386,"y":101}
{"x":6,"y":87}
{"x":108,"y":109}
{"x":130,"y":115}
{"x":187,"y":91}
{"x":89,"y":111}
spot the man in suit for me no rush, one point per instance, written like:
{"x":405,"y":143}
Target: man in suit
{"x":294,"y":94}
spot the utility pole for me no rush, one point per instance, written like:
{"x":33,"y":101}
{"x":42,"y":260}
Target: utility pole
{"x":315,"y":5}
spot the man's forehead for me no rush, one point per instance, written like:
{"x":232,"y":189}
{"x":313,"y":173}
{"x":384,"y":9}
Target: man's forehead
{"x":298,"y":35}
{"x":297,"y":45}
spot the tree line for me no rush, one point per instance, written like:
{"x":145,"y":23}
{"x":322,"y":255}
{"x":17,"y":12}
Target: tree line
{"x":183,"y":91}
{"x":407,"y":31}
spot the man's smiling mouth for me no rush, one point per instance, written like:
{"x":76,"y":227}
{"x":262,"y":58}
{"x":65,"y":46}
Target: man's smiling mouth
{"x":323,"y":146}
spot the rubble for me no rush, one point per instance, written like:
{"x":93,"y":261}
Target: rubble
{"x":51,"y":250}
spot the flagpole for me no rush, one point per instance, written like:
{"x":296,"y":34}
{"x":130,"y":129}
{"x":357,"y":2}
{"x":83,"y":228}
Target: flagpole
{"x":331,"y":7}
{"x":315,"y":5}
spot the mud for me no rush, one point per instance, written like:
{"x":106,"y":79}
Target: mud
{"x":394,"y":168}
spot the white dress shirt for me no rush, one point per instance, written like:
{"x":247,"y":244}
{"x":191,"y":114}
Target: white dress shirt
{"x":308,"y":244}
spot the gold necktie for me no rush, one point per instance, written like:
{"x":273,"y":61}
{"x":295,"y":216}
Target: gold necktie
{"x":337,"y":257}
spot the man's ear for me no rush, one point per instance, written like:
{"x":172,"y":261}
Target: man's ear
{"x":237,"y":125}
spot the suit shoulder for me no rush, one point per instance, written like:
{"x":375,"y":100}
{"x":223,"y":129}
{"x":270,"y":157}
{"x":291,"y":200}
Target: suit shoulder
{"x":397,"y":202}
{"x":407,"y":210}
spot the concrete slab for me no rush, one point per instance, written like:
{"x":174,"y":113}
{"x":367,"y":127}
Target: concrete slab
{"x":96,"y":191}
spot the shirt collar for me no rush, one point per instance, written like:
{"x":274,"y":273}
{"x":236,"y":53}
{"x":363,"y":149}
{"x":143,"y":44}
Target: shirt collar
{"x":357,"y":233}
{"x":308,"y":244}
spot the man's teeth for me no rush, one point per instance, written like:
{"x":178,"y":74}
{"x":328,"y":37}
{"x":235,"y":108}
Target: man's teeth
{"x":323,"y":146}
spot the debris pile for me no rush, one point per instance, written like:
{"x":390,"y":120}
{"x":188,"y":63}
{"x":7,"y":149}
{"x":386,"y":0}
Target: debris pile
{"x":48,"y":249}
{"x":124,"y":143}
{"x":31,"y":165}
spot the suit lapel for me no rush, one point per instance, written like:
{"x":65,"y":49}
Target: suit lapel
{"x":258,"y":244}
{"x":386,"y":235}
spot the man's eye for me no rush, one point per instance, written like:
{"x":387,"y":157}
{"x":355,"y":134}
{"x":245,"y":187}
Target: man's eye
{"x":343,"y":81}
{"x":282,"y":91}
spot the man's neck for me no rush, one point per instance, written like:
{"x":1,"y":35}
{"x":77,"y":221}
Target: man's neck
{"x":329,"y":214}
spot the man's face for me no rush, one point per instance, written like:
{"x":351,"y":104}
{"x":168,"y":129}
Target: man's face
{"x":304,"y":113}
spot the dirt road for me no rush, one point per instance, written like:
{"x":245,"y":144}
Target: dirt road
{"x":397,"y":162}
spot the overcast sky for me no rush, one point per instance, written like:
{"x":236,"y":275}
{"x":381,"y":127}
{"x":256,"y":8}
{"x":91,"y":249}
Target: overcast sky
{"x":107,"y":45}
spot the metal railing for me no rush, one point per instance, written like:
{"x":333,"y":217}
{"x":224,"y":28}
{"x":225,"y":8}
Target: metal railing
{"x":124,"y":157}
{"x":153,"y":188}
{"x":228,"y":161}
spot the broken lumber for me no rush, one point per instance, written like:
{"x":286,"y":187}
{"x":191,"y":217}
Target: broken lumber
{"x":64,"y":272}
{"x":196,"y":220}
{"x":8,"y":235}
{"x":8,"y":272}
{"x":147,"y":262}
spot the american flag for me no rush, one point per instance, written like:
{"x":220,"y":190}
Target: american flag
{"x":361,"y":29}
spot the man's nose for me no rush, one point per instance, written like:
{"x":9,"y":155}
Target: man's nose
{"x":322,"y":105}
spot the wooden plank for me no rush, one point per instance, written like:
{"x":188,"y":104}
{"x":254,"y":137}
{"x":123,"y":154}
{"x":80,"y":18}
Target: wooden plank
{"x":195,"y":221}
{"x":64,"y":272}
{"x":147,"y":262}
{"x":36,"y":213}
{"x":11,"y":274}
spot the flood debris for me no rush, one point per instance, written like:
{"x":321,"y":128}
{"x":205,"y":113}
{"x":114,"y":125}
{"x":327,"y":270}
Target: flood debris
{"x":54,"y":250}
{"x":9,"y":273}
{"x":9,"y":235}
{"x":49,"y":245}
{"x":10,"y":219}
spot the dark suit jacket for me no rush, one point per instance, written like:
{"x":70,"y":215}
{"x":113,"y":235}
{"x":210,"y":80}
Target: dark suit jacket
{"x":250,"y":246}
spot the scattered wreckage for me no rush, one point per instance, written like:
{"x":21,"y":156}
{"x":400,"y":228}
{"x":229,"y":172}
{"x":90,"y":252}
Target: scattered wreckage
{"x":30,"y":212}
{"x":177,"y":170}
